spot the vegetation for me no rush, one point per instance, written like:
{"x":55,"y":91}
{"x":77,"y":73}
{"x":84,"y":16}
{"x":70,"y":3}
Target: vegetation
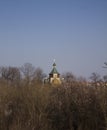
{"x":27,"y":104}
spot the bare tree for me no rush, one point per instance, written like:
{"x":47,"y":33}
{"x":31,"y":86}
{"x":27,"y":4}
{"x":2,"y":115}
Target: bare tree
{"x":10,"y":74}
{"x":69,"y":79}
{"x":39,"y":75}
{"x":27,"y":71}
{"x":95,"y":79}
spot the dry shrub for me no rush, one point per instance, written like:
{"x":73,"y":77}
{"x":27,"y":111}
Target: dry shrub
{"x":43,"y":107}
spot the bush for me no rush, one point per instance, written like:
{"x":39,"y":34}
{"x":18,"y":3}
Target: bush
{"x":43,"y":107}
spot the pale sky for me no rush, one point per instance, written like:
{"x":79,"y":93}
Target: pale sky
{"x":74,"y":32}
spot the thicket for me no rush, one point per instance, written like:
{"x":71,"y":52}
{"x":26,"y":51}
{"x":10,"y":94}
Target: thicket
{"x":28,"y":104}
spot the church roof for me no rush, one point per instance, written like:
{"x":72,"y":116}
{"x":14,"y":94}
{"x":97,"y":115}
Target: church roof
{"x":54,"y":70}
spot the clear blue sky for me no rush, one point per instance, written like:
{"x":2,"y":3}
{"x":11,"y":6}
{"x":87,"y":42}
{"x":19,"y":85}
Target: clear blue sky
{"x":74,"y":32}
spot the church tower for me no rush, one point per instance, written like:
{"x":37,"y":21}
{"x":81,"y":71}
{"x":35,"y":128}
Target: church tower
{"x":54,"y":76}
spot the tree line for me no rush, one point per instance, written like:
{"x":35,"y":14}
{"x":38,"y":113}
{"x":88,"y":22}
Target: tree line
{"x":28,"y":104}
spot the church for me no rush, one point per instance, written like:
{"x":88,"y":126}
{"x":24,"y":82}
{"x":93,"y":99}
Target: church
{"x":54,"y":76}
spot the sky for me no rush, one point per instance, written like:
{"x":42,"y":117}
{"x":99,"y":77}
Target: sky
{"x":74,"y":32}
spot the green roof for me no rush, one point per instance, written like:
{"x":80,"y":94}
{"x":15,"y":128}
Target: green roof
{"x":54,"y":70}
